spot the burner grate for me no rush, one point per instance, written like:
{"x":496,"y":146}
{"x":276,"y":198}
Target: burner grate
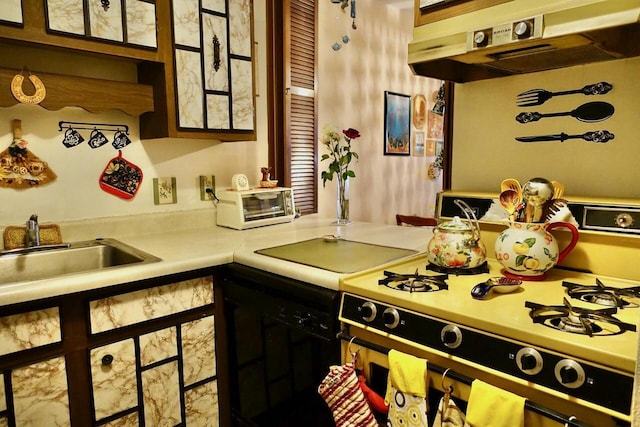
{"x":414,"y":282}
{"x":579,"y":320}
{"x":604,"y":295}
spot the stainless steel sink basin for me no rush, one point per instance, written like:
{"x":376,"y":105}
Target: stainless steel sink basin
{"x":39,"y":263}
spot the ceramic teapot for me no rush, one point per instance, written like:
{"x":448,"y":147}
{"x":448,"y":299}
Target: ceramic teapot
{"x":456,"y":243}
{"x":528,"y":250}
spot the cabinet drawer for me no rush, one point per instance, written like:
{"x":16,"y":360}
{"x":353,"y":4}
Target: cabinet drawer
{"x":29,"y":330}
{"x":148,"y":304}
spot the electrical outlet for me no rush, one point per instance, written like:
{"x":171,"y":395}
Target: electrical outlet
{"x":207,"y":182}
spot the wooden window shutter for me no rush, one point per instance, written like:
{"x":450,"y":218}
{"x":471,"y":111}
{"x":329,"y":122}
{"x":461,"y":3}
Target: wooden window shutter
{"x":300,"y":103}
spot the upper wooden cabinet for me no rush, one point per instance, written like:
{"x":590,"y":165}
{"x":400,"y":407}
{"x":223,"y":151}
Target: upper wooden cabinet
{"x":85,"y":25}
{"x":209,"y":83}
{"x":107,"y":20}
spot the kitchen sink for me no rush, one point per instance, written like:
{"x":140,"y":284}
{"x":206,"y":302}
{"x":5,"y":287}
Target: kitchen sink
{"x":46,"y":262}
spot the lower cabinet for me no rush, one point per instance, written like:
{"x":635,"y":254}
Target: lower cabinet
{"x":141,"y":354}
{"x":158,"y":376}
{"x":39,"y":394}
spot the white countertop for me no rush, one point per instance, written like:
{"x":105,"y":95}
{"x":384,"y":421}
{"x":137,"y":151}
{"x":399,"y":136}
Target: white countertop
{"x":190,"y":240}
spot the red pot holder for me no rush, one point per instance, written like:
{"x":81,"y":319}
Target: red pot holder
{"x":121,"y":177}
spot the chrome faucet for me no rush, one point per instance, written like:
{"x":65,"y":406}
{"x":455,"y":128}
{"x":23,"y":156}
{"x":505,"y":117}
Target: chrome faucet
{"x":32,"y":236}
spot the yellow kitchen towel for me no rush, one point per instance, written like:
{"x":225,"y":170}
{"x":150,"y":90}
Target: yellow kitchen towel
{"x":490,"y":406}
{"x":407,"y":373}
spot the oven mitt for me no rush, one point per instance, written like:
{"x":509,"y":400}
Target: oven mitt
{"x":406,"y":390}
{"x":490,"y":406}
{"x":341,"y":390}
{"x":121,"y":177}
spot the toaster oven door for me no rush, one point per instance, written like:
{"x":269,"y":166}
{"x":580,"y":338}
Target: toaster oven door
{"x":263,"y":205}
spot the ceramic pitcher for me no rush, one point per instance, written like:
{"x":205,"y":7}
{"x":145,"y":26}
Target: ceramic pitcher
{"x":528,"y":250}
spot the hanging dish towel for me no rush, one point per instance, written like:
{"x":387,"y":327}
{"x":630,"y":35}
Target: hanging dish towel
{"x":341,"y":390}
{"x":449,"y":415}
{"x":490,"y":406}
{"x":407,"y":388}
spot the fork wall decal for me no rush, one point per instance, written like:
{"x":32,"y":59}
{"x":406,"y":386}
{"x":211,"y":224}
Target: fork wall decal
{"x":540,"y":96}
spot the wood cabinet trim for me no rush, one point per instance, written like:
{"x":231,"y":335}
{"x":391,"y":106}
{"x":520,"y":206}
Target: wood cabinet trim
{"x":94,"y":95}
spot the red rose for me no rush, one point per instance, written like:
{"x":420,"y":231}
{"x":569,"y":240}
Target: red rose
{"x":351,"y":133}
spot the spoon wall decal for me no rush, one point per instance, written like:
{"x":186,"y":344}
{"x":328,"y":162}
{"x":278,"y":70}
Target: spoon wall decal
{"x":590,"y":112}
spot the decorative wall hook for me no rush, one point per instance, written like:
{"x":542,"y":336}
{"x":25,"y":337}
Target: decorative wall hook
{"x":97,"y":139}
{"x":18,"y":93}
{"x":108,"y":127}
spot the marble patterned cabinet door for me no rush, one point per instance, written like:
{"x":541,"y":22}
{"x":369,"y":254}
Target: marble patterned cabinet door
{"x":40,"y":394}
{"x":105,"y":20}
{"x":216,"y":63}
{"x":113,"y":375}
{"x":11,"y":11}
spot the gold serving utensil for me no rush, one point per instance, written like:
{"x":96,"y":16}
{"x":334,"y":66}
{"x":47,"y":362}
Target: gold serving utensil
{"x":511,"y":184}
{"x":510,"y":201}
{"x":558,"y":190}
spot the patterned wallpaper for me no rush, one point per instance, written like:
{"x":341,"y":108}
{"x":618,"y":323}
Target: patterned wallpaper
{"x":352,"y":82}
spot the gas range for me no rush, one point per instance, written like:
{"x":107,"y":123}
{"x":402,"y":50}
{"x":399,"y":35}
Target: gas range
{"x":593,"y":363}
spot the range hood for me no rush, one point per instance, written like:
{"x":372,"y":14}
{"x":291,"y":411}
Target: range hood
{"x":524,"y":36}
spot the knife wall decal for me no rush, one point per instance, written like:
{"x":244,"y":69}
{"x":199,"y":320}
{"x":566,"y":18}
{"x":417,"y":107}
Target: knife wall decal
{"x":599,"y":136}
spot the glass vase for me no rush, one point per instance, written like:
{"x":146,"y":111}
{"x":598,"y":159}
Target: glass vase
{"x":342,"y":202}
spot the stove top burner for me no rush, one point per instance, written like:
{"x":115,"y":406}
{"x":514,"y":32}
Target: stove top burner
{"x":604,"y":295}
{"x":414,"y":282}
{"x":482,"y":268}
{"x":579,"y":320}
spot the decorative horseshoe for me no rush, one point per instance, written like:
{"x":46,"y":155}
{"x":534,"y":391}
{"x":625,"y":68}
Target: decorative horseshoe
{"x":18,"y":93}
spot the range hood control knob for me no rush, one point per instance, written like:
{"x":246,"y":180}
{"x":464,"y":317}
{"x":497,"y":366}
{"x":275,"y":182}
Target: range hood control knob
{"x":569,"y":373}
{"x":368,"y":311}
{"x":391,"y":318}
{"x":451,"y":336}
{"x":522,"y":29}
{"x":529,"y":361}
{"x":481,"y":38}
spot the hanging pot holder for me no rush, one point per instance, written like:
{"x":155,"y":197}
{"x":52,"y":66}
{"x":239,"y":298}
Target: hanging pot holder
{"x":341,"y":390}
{"x":121,"y":177}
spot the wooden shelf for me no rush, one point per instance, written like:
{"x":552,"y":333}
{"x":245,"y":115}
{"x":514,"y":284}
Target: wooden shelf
{"x":93,"y":95}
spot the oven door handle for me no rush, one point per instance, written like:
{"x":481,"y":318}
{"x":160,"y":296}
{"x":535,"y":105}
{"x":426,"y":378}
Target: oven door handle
{"x":569,"y":421}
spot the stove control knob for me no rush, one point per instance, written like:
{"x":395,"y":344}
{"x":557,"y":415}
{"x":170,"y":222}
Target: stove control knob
{"x":529,"y":360}
{"x":305,"y":320}
{"x":451,"y":336}
{"x":522,"y":29}
{"x":481,"y":38}
{"x":569,"y":373}
{"x":368,"y":311}
{"x":391,"y":318}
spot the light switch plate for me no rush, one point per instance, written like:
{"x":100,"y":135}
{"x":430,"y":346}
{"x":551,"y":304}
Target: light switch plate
{"x":207,"y":181}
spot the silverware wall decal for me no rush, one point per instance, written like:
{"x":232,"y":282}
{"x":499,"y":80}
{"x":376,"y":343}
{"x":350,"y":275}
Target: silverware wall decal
{"x":590,"y":112}
{"x":534,"y":97}
{"x":599,"y":136}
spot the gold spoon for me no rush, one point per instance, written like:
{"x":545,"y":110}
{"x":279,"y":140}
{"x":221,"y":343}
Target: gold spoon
{"x":511,"y":184}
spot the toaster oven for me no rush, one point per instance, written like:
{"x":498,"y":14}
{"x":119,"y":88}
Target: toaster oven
{"x":257,"y":207}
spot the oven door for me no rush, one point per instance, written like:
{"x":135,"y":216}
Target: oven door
{"x":372,"y":358}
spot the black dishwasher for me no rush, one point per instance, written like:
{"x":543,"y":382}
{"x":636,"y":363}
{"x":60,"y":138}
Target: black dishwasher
{"x":281,"y":340}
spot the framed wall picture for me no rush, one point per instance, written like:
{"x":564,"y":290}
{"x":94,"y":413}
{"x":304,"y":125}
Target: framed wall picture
{"x":418,"y":144}
{"x":397,"y":124}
